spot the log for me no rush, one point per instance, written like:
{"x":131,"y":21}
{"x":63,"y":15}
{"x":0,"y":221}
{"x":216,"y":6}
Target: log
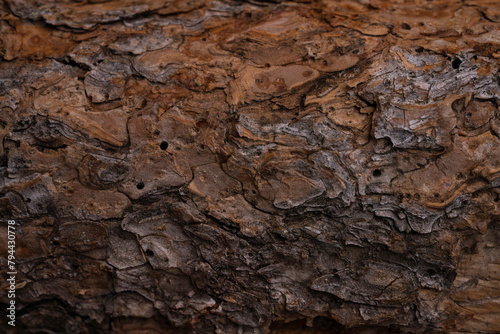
{"x":225,"y":166}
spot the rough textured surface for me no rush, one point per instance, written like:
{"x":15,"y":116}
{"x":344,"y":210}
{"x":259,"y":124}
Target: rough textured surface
{"x":231,"y":166}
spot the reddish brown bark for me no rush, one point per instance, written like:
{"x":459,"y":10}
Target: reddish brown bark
{"x":232,"y":166}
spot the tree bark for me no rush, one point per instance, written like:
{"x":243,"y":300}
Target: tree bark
{"x":251,"y":166}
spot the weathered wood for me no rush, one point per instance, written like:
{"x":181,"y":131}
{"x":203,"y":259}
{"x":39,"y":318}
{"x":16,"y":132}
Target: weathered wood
{"x":231,"y":166}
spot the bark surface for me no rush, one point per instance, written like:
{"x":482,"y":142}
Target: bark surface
{"x":220,"y":166}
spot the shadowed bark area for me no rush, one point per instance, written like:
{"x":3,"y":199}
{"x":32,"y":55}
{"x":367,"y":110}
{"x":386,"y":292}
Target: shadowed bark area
{"x":254,"y":166}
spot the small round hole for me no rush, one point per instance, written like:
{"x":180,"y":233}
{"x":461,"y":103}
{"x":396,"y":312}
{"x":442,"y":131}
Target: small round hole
{"x":377,"y":173}
{"x":405,"y":26}
{"x":163,"y":145}
{"x":456,"y":63}
{"x":149,"y":252}
{"x":431,"y":272}
{"x":140,"y":185}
